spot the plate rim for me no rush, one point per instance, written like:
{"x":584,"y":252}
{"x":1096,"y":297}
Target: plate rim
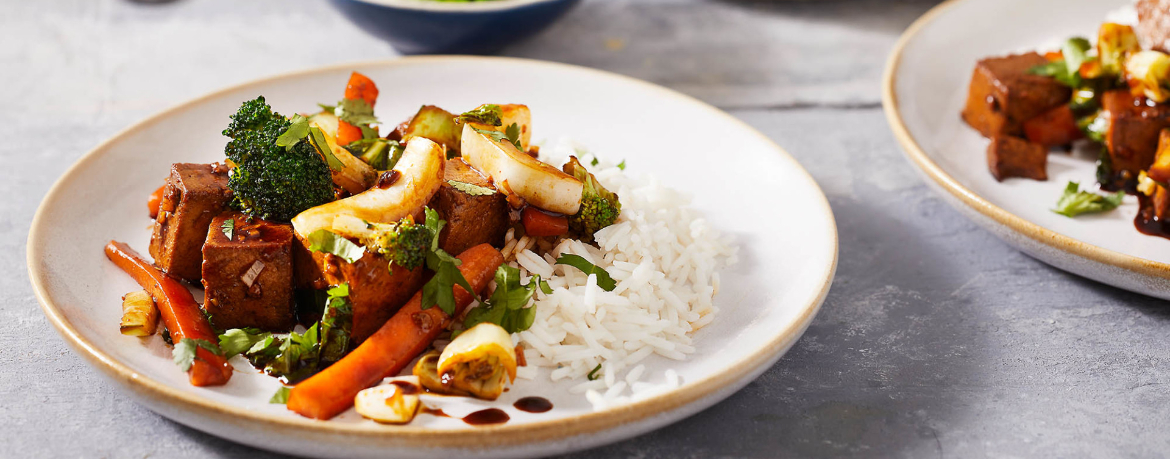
{"x":945,"y":181}
{"x":507,"y":435}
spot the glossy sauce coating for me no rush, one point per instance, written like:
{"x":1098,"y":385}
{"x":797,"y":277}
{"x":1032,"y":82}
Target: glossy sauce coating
{"x":533,"y":404}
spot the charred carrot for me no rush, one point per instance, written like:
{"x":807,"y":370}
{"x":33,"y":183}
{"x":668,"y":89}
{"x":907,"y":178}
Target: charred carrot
{"x":155,"y":201}
{"x":179,"y":311}
{"x":358,"y":87}
{"x":392,"y":347}
{"x":361,"y":87}
{"x":540,"y":223}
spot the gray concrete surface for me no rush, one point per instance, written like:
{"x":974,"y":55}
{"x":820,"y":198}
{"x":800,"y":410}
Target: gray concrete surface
{"x":937,"y":340}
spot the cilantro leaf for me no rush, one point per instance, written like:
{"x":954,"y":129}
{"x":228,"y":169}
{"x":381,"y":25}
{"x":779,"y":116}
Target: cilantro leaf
{"x":322,"y":145}
{"x":281,"y":396}
{"x":184,"y":353}
{"x":327,"y":108}
{"x":297,"y":356}
{"x":603,"y":280}
{"x":488,"y":114}
{"x":355,"y":111}
{"x":595,"y":161}
{"x":229,"y":227}
{"x":512,"y":135}
{"x":295,"y":132}
{"x":438,"y":290}
{"x":622,"y":165}
{"x":474,"y":190}
{"x":1067,"y":70}
{"x":240,"y":340}
{"x":336,"y":324}
{"x":330,"y":242}
{"x":1075,"y":202}
{"x":507,"y":305}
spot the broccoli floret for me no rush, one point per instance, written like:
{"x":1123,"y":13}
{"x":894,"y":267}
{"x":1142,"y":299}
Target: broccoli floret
{"x":599,"y":206}
{"x":269,"y":181}
{"x":404,"y":243}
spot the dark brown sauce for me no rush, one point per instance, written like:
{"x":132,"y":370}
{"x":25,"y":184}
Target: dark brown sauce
{"x":1147,"y":221}
{"x":387,"y":179}
{"x":533,"y":404}
{"x":487,"y":417}
{"x":433,"y":412}
{"x":405,"y":388}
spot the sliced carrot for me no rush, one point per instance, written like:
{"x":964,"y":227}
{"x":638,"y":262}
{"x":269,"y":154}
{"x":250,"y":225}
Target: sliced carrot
{"x":361,"y":87}
{"x":540,"y":223}
{"x":358,"y":87}
{"x":181,"y":314}
{"x":347,"y":133}
{"x":402,"y":338}
{"x":155,"y":201}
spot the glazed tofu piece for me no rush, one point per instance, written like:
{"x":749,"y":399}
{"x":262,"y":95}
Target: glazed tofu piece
{"x":1015,"y":157}
{"x":1055,"y":128}
{"x":376,"y":289}
{"x":1160,"y":169}
{"x":471,"y":220}
{"x":1134,"y":126}
{"x":1002,"y":95}
{"x":194,"y":195}
{"x":1153,"y":26}
{"x":248,"y":277}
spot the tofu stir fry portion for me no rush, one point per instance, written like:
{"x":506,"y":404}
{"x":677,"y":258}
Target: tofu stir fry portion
{"x":1109,"y":93}
{"x":333,"y":253}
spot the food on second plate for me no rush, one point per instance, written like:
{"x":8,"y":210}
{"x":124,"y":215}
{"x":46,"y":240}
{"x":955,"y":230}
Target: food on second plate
{"x":334,"y":256}
{"x":1111,"y":96}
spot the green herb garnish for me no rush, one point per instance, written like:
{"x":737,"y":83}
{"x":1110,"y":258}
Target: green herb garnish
{"x":439,"y":290}
{"x":603,"y":280}
{"x":228,"y":227}
{"x":507,"y":305}
{"x":184,"y":353}
{"x":356,"y":112}
{"x":1075,"y":202}
{"x":295,"y":132}
{"x":280,"y":397}
{"x":488,"y":114}
{"x":592,"y":376}
{"x":330,"y":242}
{"x":471,"y":189}
{"x":336,"y":324}
{"x":322,"y":145}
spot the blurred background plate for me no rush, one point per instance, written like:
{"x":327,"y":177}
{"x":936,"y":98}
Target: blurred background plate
{"x":432,"y":27}
{"x":925,"y":87}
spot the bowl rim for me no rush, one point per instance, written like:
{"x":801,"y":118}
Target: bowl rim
{"x":456,"y":7}
{"x":506,"y":435}
{"x":1019,"y":225}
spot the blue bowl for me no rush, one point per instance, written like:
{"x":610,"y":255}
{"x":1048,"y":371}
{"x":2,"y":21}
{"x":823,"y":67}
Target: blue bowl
{"x":431,"y":27}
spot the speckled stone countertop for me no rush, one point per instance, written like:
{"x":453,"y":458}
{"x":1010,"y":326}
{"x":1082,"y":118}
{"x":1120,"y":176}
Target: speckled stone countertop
{"x":937,"y":340}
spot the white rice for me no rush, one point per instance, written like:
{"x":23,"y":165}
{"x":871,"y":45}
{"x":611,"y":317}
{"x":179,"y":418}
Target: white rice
{"x":665,"y":258}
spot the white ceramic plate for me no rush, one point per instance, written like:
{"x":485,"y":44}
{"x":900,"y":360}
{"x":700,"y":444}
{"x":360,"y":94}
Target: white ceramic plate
{"x":924,"y":90}
{"x":739,"y":178}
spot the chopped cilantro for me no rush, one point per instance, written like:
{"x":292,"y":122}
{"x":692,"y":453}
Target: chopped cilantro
{"x":1075,"y":202}
{"x":474,"y":190}
{"x":184,"y":353}
{"x":330,"y":242}
{"x":507,"y":305}
{"x":622,"y":165}
{"x":439,"y":290}
{"x":295,"y":132}
{"x":603,"y":279}
{"x":322,"y":145}
{"x":229,"y":227}
{"x":280,"y":397}
{"x":488,"y":114}
{"x":240,"y":340}
{"x":336,"y":324}
{"x":512,"y":135}
{"x":355,"y":111}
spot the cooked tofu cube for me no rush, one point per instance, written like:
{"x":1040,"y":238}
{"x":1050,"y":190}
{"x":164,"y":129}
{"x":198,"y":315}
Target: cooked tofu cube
{"x":376,"y":291}
{"x":1015,"y":157}
{"x":1160,"y":169}
{"x":194,"y":194}
{"x":1055,"y":128}
{"x":1134,"y":126}
{"x":1002,"y":95}
{"x":471,"y":220}
{"x":248,"y":278}
{"x":1153,"y":26}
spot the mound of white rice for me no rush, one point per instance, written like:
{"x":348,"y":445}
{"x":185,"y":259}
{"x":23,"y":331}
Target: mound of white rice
{"x":665,"y":258}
